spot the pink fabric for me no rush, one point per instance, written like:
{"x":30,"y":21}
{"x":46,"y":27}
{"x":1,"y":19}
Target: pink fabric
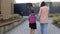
{"x":43,"y":14}
{"x":32,"y":18}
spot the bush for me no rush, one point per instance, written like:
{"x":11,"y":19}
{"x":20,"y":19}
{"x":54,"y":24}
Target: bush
{"x":14,"y":16}
{"x":1,"y":19}
{"x":51,"y":15}
{"x":54,"y":15}
{"x":56,"y":20}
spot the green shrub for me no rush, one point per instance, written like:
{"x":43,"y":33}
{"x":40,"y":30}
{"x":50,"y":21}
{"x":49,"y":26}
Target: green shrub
{"x":51,"y":15}
{"x":13,"y":17}
{"x":54,"y":15}
{"x":1,"y":19}
{"x":56,"y":20}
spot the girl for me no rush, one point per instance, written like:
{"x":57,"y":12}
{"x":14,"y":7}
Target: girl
{"x":43,"y":15}
{"x":32,"y":22}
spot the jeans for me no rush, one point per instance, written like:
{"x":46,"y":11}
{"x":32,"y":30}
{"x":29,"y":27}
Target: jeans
{"x":44,"y":28}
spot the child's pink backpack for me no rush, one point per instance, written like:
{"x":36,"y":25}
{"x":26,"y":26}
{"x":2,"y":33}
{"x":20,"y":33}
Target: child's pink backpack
{"x":32,"y":18}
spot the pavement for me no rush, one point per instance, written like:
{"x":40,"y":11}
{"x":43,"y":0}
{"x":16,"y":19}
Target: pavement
{"x":23,"y":28}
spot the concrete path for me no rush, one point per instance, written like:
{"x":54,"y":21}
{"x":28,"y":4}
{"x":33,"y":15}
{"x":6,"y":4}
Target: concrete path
{"x":24,"y":28}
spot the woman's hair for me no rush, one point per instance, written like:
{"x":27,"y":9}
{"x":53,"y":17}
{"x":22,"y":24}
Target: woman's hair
{"x":43,"y":4}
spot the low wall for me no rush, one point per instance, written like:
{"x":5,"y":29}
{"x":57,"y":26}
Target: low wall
{"x":10,"y":26}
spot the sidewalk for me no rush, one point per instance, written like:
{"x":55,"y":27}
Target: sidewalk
{"x":24,"y":29}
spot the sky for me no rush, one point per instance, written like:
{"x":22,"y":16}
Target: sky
{"x":35,"y":1}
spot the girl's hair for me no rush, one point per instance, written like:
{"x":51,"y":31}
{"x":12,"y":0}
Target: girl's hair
{"x":32,"y":11}
{"x":30,"y":4}
{"x":43,"y":4}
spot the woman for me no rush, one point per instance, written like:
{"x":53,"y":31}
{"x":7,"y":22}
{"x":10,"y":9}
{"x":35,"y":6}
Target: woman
{"x":43,"y":16}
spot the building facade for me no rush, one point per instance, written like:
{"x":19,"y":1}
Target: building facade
{"x":54,"y":7}
{"x":6,"y":8}
{"x":0,"y":6}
